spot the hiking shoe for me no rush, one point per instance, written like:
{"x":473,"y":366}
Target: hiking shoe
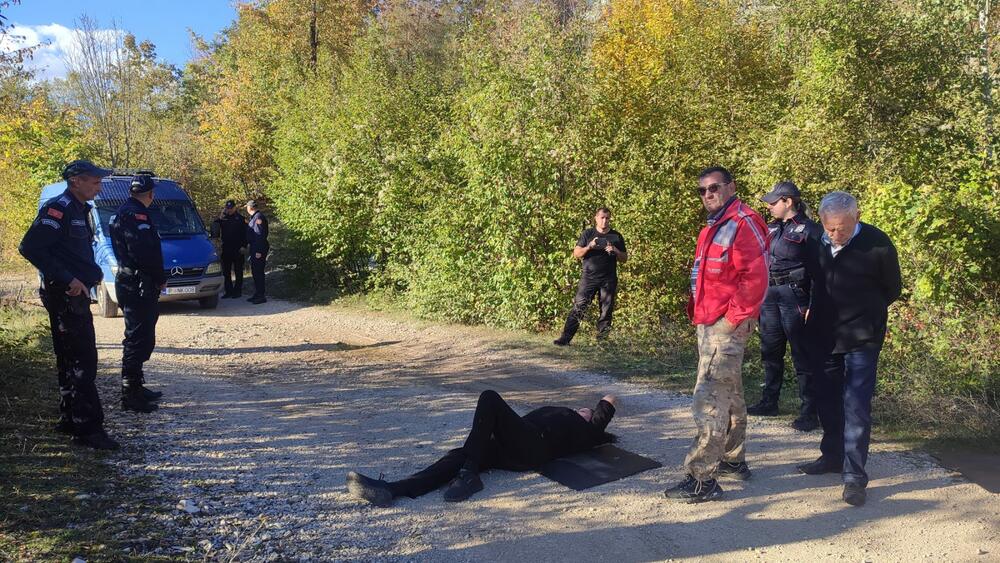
{"x":561,"y":341}
{"x":98,"y":440}
{"x":151,"y":395}
{"x":134,"y":400}
{"x":763,"y":409}
{"x":819,"y":467}
{"x":464,"y":486}
{"x":854,"y":494}
{"x":805,"y":423}
{"x":739,"y":471}
{"x":65,"y":426}
{"x":375,"y":491}
{"x":691,"y":490}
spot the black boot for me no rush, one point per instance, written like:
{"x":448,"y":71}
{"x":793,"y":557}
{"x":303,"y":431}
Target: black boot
{"x":134,"y":400}
{"x":464,"y":486}
{"x":98,"y":440}
{"x":763,"y":408}
{"x":375,"y":491}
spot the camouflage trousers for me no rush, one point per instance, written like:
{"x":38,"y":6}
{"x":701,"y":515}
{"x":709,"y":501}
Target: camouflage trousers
{"x":719,"y":410}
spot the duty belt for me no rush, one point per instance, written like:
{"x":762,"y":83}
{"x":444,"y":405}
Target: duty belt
{"x":787,"y":277}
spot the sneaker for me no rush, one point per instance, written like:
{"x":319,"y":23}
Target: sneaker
{"x":805,"y":423}
{"x":151,"y":395}
{"x":464,"y":486}
{"x":739,"y":471}
{"x":375,"y":491}
{"x":136,"y":401}
{"x":819,"y":467}
{"x":763,"y":409}
{"x":691,"y":490}
{"x":561,"y":341}
{"x":854,"y":494}
{"x":98,"y":440}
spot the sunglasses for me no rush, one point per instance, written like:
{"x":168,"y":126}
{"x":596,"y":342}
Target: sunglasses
{"x":712,"y":188}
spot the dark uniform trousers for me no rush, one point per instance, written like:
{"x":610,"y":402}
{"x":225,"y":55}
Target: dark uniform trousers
{"x":782,"y":321}
{"x":138,"y":298}
{"x":232,"y":266}
{"x":590,"y":286}
{"x":499,"y":439}
{"x":257,"y":270}
{"x":76,"y":357}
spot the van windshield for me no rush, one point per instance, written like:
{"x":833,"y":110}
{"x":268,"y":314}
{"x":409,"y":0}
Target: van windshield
{"x":172,"y":217}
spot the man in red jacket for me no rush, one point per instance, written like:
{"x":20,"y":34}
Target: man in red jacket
{"x":728,"y":284}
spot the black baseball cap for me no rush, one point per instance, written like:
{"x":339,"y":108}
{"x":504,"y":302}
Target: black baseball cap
{"x":230,"y":204}
{"x":781,"y":189}
{"x":141,"y":183}
{"x":80,"y":167}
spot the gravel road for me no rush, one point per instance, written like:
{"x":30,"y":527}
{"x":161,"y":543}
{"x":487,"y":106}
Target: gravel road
{"x":267,"y":407}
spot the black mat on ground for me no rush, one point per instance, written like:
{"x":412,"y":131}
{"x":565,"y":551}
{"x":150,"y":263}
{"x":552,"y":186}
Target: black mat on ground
{"x":597,"y":466}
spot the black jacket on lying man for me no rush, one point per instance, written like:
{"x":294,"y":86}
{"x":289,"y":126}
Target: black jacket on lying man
{"x":499,"y":439}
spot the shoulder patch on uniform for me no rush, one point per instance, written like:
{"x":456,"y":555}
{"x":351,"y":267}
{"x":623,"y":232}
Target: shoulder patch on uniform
{"x":143,"y":226}
{"x":800,"y":228}
{"x":141,"y":217}
{"x":55,"y":213}
{"x":50,"y":222}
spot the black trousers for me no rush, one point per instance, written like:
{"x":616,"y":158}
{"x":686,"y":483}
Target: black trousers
{"x":232,"y":266}
{"x":607,"y":287}
{"x":75,"y":347}
{"x":257,"y":270}
{"x":141,"y":311}
{"x":499,"y":439}
{"x":782,"y":323}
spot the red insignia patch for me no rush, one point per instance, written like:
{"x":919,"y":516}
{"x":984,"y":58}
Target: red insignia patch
{"x":141,"y":216}
{"x":55,"y":213}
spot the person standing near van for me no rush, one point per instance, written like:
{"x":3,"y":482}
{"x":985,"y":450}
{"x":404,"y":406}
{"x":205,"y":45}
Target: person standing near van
{"x":259,"y":247}
{"x":232,"y":230}
{"x":794,"y":251}
{"x":140,"y":279}
{"x":59,"y":244}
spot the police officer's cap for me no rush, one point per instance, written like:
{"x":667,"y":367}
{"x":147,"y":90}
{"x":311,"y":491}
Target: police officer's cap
{"x":80,"y":167}
{"x":141,"y":183}
{"x":230,"y":204}
{"x":780,"y":190}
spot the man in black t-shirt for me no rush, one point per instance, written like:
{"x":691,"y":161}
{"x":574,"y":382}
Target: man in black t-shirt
{"x":600,"y":248}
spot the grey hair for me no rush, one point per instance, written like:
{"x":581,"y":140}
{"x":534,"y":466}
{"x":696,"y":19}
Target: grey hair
{"x":838,"y":202}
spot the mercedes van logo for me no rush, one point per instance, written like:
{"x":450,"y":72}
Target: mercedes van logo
{"x":176,"y":271}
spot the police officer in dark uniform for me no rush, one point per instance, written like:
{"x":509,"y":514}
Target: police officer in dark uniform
{"x":59,"y":243}
{"x":794,"y":248}
{"x":231,"y":228}
{"x":600,"y":248}
{"x":258,"y":248}
{"x":140,"y":279}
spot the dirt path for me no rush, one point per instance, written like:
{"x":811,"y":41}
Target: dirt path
{"x":268,"y":407}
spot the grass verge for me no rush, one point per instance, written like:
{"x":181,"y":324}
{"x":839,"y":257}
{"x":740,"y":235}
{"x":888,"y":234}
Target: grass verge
{"x":57,"y":501}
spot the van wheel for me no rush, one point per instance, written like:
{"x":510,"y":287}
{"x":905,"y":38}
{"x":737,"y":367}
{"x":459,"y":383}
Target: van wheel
{"x":108,"y":308}
{"x":209,"y":302}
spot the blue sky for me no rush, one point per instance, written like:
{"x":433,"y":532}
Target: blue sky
{"x":164,"y":22}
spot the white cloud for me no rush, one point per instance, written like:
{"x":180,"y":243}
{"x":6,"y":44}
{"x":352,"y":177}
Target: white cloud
{"x":54,"y":42}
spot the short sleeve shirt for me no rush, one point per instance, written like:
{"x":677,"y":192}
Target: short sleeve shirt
{"x":597,"y":263}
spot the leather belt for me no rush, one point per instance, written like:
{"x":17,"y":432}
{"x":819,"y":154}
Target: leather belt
{"x":787,"y":277}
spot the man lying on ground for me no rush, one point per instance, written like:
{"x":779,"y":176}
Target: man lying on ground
{"x":499,"y":439}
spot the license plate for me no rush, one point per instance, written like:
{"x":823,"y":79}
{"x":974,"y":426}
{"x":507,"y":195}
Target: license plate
{"x":177,"y":290}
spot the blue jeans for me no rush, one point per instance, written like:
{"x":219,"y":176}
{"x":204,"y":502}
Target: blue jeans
{"x":781,"y":324}
{"x":844,"y":401}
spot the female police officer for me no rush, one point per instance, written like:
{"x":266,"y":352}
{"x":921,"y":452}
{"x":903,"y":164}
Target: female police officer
{"x":794,"y":246}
